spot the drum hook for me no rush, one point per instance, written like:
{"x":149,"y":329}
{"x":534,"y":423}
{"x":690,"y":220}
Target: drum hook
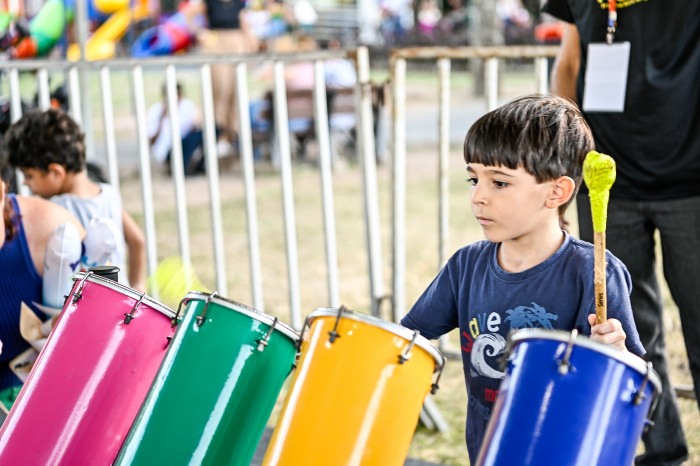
{"x":435,"y":386}
{"x":640,"y":396}
{"x":297,"y":344}
{"x":407,"y":355}
{"x":334,"y":333}
{"x":77,"y":295}
{"x":128,"y":317}
{"x":176,"y":319}
{"x":200,"y":318}
{"x":564,"y":364}
{"x":262,"y":344}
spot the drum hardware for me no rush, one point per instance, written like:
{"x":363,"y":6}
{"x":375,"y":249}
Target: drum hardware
{"x":176,"y":318}
{"x":200,"y":318}
{"x":640,"y":396}
{"x":564,"y":364}
{"x":407,"y":355}
{"x":334,"y":333}
{"x":301,"y":336}
{"x":434,"y":387}
{"x":128,"y":317}
{"x":262,"y":344}
{"x":77,"y":295}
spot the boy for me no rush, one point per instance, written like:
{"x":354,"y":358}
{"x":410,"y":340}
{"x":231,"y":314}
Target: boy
{"x":48,"y":148}
{"x":524,"y":162}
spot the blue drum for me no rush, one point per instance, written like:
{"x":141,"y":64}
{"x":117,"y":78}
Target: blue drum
{"x":566,"y":399}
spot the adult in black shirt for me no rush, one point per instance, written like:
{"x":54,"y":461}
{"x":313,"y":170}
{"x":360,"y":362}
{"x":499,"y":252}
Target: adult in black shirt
{"x":655,"y":142}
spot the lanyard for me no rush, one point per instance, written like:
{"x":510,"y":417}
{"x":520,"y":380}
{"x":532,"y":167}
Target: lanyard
{"x":612,"y":21}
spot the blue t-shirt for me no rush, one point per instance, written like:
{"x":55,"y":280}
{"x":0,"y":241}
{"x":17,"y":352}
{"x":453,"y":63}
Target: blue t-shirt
{"x":474,"y":293}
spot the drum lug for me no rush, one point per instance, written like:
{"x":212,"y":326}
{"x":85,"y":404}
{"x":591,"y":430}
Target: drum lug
{"x":565,"y":364}
{"x":435,"y":386}
{"x":407,"y":355}
{"x":334,"y":333}
{"x":130,"y":316}
{"x":77,"y":295}
{"x":297,"y":344}
{"x":262,"y":344}
{"x":200,"y":318}
{"x":175,"y":320}
{"x":640,"y":396}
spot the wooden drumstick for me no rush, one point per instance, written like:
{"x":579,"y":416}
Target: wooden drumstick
{"x":599,"y":175}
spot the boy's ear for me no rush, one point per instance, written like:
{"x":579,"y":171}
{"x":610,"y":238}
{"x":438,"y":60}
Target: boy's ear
{"x":56,"y":169}
{"x":562,"y":190}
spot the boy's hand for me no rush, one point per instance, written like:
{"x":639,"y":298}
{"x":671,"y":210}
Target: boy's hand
{"x":609,"y":332}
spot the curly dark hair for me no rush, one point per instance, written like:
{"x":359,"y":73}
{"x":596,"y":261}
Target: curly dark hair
{"x":41,"y":138}
{"x":545,"y":134}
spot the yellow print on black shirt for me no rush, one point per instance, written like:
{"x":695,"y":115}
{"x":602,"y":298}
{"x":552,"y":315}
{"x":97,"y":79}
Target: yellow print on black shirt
{"x":620,"y":3}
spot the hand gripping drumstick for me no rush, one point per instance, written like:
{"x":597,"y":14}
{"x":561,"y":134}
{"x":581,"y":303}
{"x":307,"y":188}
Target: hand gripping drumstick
{"x":599,"y":175}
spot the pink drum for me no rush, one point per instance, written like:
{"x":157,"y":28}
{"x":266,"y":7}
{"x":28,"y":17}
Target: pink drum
{"x":90,"y":379}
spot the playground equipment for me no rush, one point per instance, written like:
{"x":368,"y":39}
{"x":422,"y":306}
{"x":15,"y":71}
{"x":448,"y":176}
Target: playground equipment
{"x":173,"y":36}
{"x":102,"y":44}
{"x":48,"y":26}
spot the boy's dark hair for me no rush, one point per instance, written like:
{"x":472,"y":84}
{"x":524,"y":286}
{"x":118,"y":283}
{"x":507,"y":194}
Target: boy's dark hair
{"x":545,"y":134}
{"x":41,"y":138}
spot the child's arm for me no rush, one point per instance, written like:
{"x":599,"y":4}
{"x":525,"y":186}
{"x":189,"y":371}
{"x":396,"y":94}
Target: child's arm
{"x":609,"y":332}
{"x":136,"y":244}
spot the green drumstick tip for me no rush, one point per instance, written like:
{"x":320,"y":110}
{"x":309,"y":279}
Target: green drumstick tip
{"x":599,"y":175}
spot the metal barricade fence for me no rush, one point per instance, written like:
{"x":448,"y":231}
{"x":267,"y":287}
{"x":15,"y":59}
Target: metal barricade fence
{"x":78,"y":90}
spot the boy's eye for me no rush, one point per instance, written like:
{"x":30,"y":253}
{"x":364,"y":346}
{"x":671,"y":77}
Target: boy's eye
{"x":472,"y":181}
{"x":500,"y":184}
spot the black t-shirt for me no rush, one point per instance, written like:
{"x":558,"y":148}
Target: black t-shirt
{"x":656,"y":140}
{"x":223,"y":14}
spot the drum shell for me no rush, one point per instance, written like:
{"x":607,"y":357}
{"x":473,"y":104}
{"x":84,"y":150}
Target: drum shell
{"x":89,"y":380}
{"x":215,"y":391}
{"x":586,"y":416}
{"x":350,"y":401}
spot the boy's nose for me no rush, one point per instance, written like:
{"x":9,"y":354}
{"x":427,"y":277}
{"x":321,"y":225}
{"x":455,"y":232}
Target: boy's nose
{"x":477,"y":195}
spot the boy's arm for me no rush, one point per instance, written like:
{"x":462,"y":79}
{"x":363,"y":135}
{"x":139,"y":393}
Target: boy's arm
{"x":136,"y":244}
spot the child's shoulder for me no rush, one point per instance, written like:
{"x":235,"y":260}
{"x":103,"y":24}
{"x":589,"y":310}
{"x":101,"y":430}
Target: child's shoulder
{"x":585,"y":251}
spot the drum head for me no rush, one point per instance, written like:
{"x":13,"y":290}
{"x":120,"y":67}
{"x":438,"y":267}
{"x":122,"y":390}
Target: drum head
{"x":125,"y":290}
{"x":396,"y":329}
{"x":243,"y":309}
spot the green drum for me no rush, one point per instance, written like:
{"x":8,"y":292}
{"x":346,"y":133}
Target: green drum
{"x":215,"y":389}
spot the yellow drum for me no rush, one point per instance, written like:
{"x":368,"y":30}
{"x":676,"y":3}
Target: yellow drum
{"x":356,"y":394}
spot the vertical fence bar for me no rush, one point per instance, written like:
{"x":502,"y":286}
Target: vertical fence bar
{"x":368,"y":158}
{"x":149,"y":215}
{"x":74,"y":95}
{"x":444,"y":151}
{"x":325,"y":162}
{"x":245,"y":138}
{"x":212,"y":164}
{"x":110,"y":138}
{"x":398,"y":72}
{"x":42,"y":81}
{"x":16,"y":114}
{"x":178,"y":171}
{"x":491,"y":83}
{"x":282,"y":132}
{"x":541,"y":72}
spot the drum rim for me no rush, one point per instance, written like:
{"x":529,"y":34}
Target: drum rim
{"x":396,"y":329}
{"x":132,"y":293}
{"x":247,"y":310}
{"x":632,"y":360}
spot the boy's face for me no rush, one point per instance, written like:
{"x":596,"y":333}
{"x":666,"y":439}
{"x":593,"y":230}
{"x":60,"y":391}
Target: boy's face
{"x":42,"y":183}
{"x":509,"y":204}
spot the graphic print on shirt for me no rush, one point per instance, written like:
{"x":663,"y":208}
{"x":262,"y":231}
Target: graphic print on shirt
{"x":620,"y":3}
{"x":486,"y":344}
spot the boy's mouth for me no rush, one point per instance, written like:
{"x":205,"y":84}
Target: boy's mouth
{"x":483,"y":220}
